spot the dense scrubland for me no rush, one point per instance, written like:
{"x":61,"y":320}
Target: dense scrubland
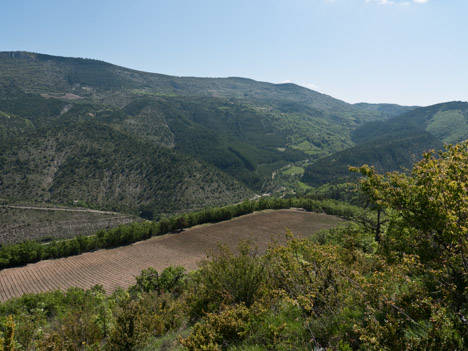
{"x":393,"y":280}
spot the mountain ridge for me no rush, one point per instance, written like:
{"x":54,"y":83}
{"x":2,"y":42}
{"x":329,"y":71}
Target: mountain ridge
{"x":235,"y":86}
{"x":240,"y":129}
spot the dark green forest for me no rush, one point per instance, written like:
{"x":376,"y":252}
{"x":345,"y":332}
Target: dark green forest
{"x":390,"y":153}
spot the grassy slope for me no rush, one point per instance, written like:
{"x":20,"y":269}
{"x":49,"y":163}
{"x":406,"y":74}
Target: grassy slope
{"x":394,"y":144}
{"x":395,"y":153}
{"x":447,"y":121}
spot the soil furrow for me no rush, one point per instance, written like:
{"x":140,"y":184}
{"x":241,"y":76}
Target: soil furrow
{"x":118,"y":267}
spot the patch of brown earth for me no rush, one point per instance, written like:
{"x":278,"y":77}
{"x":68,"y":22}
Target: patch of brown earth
{"x":118,"y":267}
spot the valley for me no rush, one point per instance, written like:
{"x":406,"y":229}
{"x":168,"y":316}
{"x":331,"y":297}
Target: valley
{"x":234,"y":175}
{"x":107,"y":171}
{"x":126,"y":137}
{"x":111,"y":138}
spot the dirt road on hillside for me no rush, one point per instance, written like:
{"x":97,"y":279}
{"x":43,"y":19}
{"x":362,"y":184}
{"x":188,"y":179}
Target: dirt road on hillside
{"x":59,"y":209}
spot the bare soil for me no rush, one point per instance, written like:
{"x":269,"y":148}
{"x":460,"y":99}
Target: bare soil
{"x":118,"y":267}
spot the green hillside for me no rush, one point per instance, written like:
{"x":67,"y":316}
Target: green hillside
{"x":93,"y":164}
{"x":388,"y":110}
{"x":395,"y":153}
{"x":395,"y":143}
{"x":392,"y":279}
{"x":447,"y":121}
{"x":94,"y":79}
{"x":112,"y":137}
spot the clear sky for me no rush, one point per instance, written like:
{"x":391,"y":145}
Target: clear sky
{"x":412,"y":52}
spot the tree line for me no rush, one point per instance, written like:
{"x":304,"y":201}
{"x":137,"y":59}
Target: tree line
{"x":29,"y":251}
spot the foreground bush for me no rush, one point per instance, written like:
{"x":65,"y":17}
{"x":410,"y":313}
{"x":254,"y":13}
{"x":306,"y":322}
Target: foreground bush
{"x":304,"y":295}
{"x":225,"y":279}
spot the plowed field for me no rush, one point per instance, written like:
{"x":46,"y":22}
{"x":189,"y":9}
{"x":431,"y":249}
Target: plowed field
{"x":118,"y":267}
{"x":21,"y":222}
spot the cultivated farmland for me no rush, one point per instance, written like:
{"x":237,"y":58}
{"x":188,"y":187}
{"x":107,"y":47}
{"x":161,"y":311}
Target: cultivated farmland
{"x":27,"y":222}
{"x":118,"y":267}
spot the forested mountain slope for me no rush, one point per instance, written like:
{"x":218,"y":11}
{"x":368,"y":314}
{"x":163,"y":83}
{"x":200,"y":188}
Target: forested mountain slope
{"x":395,"y":144}
{"x":447,"y":121}
{"x":99,"y":80}
{"x":395,"y":153}
{"x":80,"y":129}
{"x":93,"y":164}
{"x":388,"y":110}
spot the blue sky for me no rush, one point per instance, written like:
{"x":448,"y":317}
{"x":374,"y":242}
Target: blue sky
{"x":412,"y":52}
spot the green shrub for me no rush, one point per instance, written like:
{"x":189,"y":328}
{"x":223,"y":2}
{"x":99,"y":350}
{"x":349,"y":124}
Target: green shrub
{"x":227,"y":278}
{"x":218,"y":331}
{"x":170,"y":280}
